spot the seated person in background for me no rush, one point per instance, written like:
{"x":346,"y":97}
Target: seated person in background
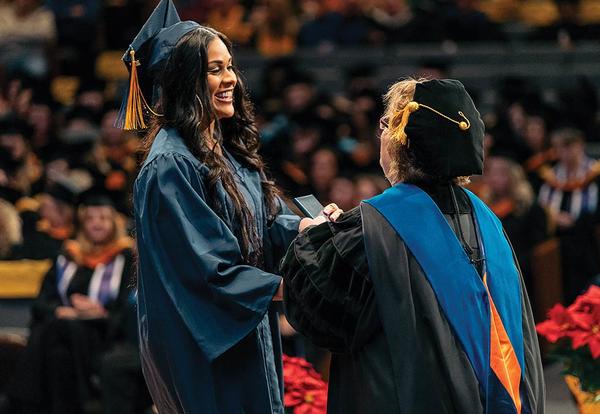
{"x":510,"y":196}
{"x":570,"y":193}
{"x":417,"y":292}
{"x":47,"y":223}
{"x":20,"y":169}
{"x":77,"y":313}
{"x":10,"y":231}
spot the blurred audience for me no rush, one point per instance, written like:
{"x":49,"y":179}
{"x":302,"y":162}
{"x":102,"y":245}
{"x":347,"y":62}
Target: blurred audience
{"x":27,"y":30}
{"x":512,"y":199}
{"x":11,"y":235}
{"x":78,"y":314}
{"x":570,"y":193}
{"x":58,"y":141}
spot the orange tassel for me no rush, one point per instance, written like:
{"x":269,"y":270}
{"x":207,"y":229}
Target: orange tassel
{"x":136,"y":103}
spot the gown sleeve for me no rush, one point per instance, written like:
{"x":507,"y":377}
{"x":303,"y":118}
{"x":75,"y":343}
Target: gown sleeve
{"x":283,"y":230}
{"x":197,"y":260}
{"x":328,"y":296}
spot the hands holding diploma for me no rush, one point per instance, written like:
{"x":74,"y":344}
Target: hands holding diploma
{"x":331,"y":212}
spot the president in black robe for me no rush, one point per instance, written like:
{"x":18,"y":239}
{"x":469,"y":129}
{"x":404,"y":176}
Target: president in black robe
{"x":417,"y":292}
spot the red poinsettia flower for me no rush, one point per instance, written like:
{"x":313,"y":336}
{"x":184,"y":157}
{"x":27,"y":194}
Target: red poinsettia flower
{"x":590,"y":333}
{"x":315,"y":402}
{"x":560,"y":324}
{"x":305,"y":390}
{"x":589,"y":300}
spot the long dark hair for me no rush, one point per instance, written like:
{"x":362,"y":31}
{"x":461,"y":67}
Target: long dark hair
{"x":186,"y":105}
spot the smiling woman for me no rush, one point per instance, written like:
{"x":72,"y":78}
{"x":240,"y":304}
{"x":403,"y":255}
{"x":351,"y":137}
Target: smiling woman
{"x":221,"y":78}
{"x":210,"y":229}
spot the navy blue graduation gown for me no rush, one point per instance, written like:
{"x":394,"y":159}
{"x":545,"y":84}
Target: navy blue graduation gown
{"x":206,"y":319}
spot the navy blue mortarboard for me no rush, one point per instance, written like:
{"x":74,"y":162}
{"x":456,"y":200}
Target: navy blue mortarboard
{"x":443,"y":128}
{"x":145,"y":59}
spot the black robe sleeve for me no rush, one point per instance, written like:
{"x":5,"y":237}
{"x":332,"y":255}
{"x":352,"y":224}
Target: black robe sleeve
{"x":328,"y":296}
{"x":48,"y":298}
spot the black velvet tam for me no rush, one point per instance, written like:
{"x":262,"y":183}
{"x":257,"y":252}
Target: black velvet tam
{"x":441,"y":146}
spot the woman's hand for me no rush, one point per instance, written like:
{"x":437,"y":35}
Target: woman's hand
{"x":307,"y":222}
{"x":330,"y":213}
{"x":279,"y":294}
{"x":66,"y":312}
{"x":86,"y":307}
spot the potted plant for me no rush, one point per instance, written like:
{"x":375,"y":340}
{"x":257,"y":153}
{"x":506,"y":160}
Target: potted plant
{"x":305,"y":390}
{"x":575,"y":331}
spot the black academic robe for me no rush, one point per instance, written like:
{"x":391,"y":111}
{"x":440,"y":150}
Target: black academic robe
{"x":209,"y":337}
{"x":356,"y":288}
{"x":55,"y":370}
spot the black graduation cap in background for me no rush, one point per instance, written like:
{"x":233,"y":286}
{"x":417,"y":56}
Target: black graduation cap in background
{"x":444,"y":129}
{"x":145,"y":59}
{"x":94,"y":197}
{"x":62,"y":190}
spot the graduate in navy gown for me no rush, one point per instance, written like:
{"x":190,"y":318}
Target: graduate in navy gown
{"x":210,"y":227}
{"x":417,"y":291}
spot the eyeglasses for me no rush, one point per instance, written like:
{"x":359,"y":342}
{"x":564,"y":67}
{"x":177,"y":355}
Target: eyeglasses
{"x":384,"y":122}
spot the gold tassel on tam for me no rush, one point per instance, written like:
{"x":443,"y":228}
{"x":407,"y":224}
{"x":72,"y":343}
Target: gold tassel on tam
{"x":398,"y":132}
{"x":134,"y":112}
{"x":134,"y":108}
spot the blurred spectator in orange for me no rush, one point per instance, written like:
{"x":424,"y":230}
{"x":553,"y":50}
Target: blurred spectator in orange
{"x":570,"y":193}
{"x":511,"y":198}
{"x":113,"y":160}
{"x":229,"y":17}
{"x":537,"y":145}
{"x":20,"y":169}
{"x":47,"y":223}
{"x":79,"y":308}
{"x":276,"y":27}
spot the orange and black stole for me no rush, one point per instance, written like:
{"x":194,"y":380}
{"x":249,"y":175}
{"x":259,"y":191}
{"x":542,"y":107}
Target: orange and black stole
{"x":484,"y":312}
{"x":101,"y":256}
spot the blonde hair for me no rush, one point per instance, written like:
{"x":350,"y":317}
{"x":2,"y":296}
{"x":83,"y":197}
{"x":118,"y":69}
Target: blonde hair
{"x":118,"y":230}
{"x":404,"y":167}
